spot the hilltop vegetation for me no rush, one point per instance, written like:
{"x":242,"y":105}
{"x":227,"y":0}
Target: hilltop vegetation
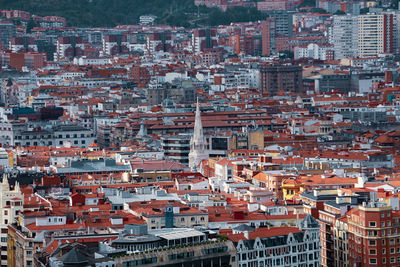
{"x":113,"y":12}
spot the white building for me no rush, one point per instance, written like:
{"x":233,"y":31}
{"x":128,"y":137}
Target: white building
{"x":4,"y":160}
{"x":147,"y":19}
{"x":11,"y":203}
{"x":198,"y":145}
{"x":224,"y":169}
{"x":345,"y":36}
{"x":288,"y":247}
{"x":312,"y":51}
{"x":375,"y":34}
{"x":83,"y":61}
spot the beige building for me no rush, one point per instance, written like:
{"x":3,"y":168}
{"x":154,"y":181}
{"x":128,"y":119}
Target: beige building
{"x":21,"y":246}
{"x":375,"y":34}
{"x":251,"y":140}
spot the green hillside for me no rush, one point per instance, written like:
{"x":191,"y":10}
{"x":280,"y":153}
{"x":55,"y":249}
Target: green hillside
{"x":114,"y":12}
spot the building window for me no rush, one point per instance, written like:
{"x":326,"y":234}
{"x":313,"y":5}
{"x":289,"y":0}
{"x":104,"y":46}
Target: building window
{"x":372,"y":252}
{"x":372,"y":242}
{"x":372,"y":224}
{"x":372,"y":261}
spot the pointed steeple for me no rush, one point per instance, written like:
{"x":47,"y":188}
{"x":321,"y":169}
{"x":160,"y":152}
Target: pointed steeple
{"x":16,"y":187}
{"x":142,"y":131}
{"x":198,"y":145}
{"x":198,"y":136}
{"x":5,"y":184}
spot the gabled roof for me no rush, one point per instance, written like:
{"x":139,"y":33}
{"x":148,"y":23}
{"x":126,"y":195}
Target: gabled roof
{"x":309,"y":222}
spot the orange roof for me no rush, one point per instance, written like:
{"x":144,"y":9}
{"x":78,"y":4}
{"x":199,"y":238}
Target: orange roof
{"x":93,"y":145}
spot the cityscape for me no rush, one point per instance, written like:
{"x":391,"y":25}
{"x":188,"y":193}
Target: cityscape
{"x":200,"y":133}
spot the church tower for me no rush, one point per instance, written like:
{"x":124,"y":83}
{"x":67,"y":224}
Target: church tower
{"x":198,"y":145}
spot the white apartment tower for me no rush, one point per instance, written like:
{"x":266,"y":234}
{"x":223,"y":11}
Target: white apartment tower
{"x":345,"y":36}
{"x":375,"y":34}
{"x":198,"y":144}
{"x":11,"y":203}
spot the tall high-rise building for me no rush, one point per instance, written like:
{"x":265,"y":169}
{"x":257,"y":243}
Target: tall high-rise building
{"x":198,"y":144}
{"x":284,"y":21}
{"x":275,"y":78}
{"x":203,"y":39}
{"x":23,"y":44}
{"x":368,"y":236}
{"x":345,"y":36}
{"x":11,"y":203}
{"x":159,"y":41}
{"x":69,"y":47}
{"x":375,"y":34}
{"x":243,"y":44}
{"x":7,"y":31}
{"x":269,"y":37}
{"x":115,"y":44}
{"x":396,"y":30}
{"x":365,"y":35}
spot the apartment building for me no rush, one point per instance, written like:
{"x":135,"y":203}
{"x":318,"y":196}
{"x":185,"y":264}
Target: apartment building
{"x":11,"y":203}
{"x":368,"y":236}
{"x":345,"y":36}
{"x":279,"y":246}
{"x":375,"y":34}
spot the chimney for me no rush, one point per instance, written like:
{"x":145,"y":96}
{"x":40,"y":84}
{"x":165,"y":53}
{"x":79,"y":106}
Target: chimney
{"x":388,"y":77}
{"x":246,"y":234}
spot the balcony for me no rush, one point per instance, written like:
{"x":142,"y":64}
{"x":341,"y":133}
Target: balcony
{"x":164,"y":145}
{"x":178,"y":157}
{"x":176,"y":151}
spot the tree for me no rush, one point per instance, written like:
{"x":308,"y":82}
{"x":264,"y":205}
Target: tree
{"x":339,"y":12}
{"x":318,"y":10}
{"x":31,"y":24}
{"x":286,"y":54}
{"x":308,"y":3}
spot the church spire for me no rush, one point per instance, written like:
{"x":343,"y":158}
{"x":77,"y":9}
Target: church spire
{"x":198,"y":145}
{"x":5,"y":186}
{"x":198,"y":126}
